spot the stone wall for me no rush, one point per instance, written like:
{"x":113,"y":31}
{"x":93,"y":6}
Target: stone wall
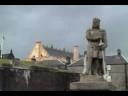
{"x":117,"y":73}
{"x":45,"y":79}
{"x":35,"y":79}
{"x":118,"y":76}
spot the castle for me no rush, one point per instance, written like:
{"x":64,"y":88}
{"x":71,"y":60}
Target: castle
{"x":41,"y":52}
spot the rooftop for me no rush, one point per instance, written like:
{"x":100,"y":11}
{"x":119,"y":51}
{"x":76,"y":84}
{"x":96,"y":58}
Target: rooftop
{"x":57,"y":52}
{"x":115,"y":59}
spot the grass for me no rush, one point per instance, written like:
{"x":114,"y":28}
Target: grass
{"x":41,"y":65}
{"x":26,"y":62}
{"x":30,"y":63}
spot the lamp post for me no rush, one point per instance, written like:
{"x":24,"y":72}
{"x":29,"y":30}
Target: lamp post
{"x":125,"y":70}
{"x":126,"y":86}
{"x":109,"y":78}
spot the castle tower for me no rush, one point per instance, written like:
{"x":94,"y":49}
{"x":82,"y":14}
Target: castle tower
{"x":76,"y":53}
{"x":38,"y":52}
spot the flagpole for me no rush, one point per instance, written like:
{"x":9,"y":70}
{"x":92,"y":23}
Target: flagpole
{"x":2,"y":44}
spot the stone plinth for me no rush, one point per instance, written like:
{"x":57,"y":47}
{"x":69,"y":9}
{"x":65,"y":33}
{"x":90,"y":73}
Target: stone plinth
{"x":90,"y":82}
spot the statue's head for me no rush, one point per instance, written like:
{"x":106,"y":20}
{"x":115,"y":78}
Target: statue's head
{"x":96,"y":23}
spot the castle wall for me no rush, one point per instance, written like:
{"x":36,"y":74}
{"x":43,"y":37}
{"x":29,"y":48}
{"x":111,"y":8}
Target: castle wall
{"x":35,"y":79}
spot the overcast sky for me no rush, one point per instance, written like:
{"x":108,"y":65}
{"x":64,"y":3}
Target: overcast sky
{"x":61,"y":25}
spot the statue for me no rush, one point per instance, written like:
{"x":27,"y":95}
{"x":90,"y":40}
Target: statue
{"x":95,"y":76}
{"x":97,"y":43}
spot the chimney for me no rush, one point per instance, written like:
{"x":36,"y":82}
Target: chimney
{"x":76,"y":53}
{"x":52,"y":46}
{"x":64,"y":49}
{"x":38,"y":51}
{"x":37,"y":48}
{"x":118,"y":52}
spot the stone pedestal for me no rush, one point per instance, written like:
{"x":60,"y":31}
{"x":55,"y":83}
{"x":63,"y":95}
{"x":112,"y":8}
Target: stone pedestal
{"x":90,"y":82}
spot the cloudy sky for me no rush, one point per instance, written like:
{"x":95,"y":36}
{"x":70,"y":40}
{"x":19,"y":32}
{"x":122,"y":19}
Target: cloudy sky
{"x":61,"y":25}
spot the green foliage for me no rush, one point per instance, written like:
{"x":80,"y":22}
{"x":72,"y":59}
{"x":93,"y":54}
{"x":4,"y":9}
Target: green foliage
{"x":26,"y":62}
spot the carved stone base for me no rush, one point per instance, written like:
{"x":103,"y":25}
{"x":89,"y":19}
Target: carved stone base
{"x":90,"y":82}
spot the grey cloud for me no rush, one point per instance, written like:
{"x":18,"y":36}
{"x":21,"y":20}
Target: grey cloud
{"x":60,"y":25}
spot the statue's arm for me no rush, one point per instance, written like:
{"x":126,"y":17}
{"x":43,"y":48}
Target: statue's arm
{"x":88,"y":36}
{"x":105,"y":39}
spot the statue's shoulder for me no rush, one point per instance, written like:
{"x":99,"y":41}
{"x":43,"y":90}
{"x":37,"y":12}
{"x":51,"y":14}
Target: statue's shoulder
{"x":89,"y":30}
{"x":102,"y":30}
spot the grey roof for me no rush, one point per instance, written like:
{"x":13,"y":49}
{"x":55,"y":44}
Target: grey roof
{"x":5,"y":55}
{"x":8,"y":56}
{"x":56,"y":52}
{"x":115,"y":59}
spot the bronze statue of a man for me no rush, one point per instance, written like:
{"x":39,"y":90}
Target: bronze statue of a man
{"x":97,"y":43}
